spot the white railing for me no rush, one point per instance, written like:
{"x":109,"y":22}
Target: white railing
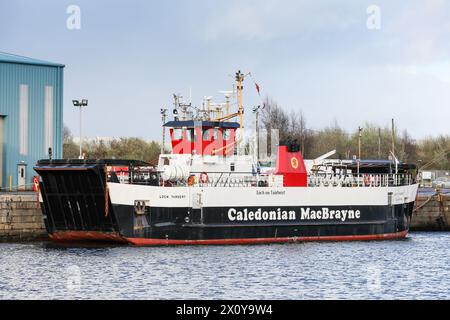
{"x":362,"y":180}
{"x":247,"y":180}
{"x":234,"y":181}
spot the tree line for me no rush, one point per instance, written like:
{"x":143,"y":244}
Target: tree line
{"x":376,"y":141}
{"x":121,"y":148}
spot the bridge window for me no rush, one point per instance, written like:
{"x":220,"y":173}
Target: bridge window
{"x":226,"y":134}
{"x":216,"y":134}
{"x":206,"y":134}
{"x":191,"y":135}
{"x":177,"y":134}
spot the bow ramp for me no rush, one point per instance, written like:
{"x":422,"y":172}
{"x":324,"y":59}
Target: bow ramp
{"x":75,"y":201}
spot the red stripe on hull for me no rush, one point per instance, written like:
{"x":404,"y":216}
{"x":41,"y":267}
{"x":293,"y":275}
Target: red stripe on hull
{"x":163,"y":242}
{"x":67,"y":236}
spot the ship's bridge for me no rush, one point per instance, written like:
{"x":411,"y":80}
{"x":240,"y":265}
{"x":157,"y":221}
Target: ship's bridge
{"x":203,"y":137}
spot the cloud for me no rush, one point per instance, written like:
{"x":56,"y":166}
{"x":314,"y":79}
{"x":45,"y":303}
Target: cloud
{"x":439,"y":70}
{"x":420,"y":32}
{"x":270,"y":19}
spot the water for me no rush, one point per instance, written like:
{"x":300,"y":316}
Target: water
{"x":414,"y":268}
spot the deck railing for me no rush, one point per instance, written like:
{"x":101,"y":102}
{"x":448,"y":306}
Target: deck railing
{"x":362,"y":180}
{"x":314,"y":180}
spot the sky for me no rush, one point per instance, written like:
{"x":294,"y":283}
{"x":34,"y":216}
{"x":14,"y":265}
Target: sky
{"x":333,"y":60}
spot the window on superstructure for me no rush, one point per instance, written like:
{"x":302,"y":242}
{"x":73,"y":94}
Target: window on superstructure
{"x":191,"y":135}
{"x":216,"y":134}
{"x":226,"y":134}
{"x":206,"y":134}
{"x":177,"y":134}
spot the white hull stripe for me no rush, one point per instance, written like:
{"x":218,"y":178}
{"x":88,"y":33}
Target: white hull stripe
{"x":179,"y":197}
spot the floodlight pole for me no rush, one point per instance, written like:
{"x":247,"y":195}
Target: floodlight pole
{"x":359,"y":142}
{"x":80,"y":104}
{"x":81,"y":139}
{"x":163,"y":117}
{"x":256,"y":146}
{"x":359,"y":151}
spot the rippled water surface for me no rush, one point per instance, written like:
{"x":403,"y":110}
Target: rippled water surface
{"x":415,"y":268}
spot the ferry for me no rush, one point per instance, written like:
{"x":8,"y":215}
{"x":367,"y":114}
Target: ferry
{"x":209,"y":191}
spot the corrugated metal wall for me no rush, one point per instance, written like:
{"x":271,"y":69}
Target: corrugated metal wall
{"x":36,"y":77}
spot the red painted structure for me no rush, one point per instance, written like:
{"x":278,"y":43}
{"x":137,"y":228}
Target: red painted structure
{"x":69,"y":236}
{"x":292,"y":167}
{"x":203,"y":138}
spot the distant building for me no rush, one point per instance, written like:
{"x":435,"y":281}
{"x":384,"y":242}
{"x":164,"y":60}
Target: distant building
{"x":427,"y":177}
{"x":31,"y":116}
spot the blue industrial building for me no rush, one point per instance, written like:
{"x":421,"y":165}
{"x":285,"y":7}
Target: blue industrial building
{"x":31,"y":117}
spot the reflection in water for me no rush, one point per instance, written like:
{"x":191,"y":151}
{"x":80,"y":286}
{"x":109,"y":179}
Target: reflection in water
{"x":415,"y":268}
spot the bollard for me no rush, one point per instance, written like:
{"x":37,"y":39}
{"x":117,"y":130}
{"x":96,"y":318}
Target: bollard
{"x":10,"y":183}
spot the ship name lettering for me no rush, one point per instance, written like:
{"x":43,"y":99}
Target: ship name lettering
{"x":327,"y":214}
{"x":284,"y":215}
{"x":260,"y":215}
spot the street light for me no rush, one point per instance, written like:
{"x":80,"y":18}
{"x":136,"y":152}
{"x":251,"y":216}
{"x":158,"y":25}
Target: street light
{"x":80,"y":104}
{"x":359,"y":142}
{"x":163,"y":117}
{"x":359,"y":148}
{"x":256,"y":146}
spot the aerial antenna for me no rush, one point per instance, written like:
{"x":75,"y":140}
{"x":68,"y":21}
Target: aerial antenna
{"x":208,"y":105}
{"x":228,"y":95}
{"x":190,"y":95}
{"x":163,"y":118}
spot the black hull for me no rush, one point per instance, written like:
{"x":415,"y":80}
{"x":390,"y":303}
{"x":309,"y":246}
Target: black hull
{"x":167,"y":226}
{"x":170,"y":226}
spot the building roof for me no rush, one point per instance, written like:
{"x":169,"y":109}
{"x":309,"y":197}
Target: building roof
{"x":13,"y":58}
{"x":203,"y":124}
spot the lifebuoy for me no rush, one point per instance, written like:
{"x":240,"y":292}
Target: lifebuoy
{"x":367,"y":180}
{"x":204,"y":177}
{"x":35,"y":183}
{"x":191,"y":180}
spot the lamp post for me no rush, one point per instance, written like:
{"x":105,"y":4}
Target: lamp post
{"x":80,"y":104}
{"x":359,"y":149}
{"x":163,"y":118}
{"x":256,"y":146}
{"x":359,"y":142}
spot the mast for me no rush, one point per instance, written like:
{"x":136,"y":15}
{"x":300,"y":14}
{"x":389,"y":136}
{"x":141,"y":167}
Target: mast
{"x":256,"y":146}
{"x":240,"y":112}
{"x":393,"y":136}
{"x":239,"y":80}
{"x":163,"y":118}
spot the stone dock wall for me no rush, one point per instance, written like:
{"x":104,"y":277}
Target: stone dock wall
{"x":432,"y":213}
{"x":21,"y":218}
